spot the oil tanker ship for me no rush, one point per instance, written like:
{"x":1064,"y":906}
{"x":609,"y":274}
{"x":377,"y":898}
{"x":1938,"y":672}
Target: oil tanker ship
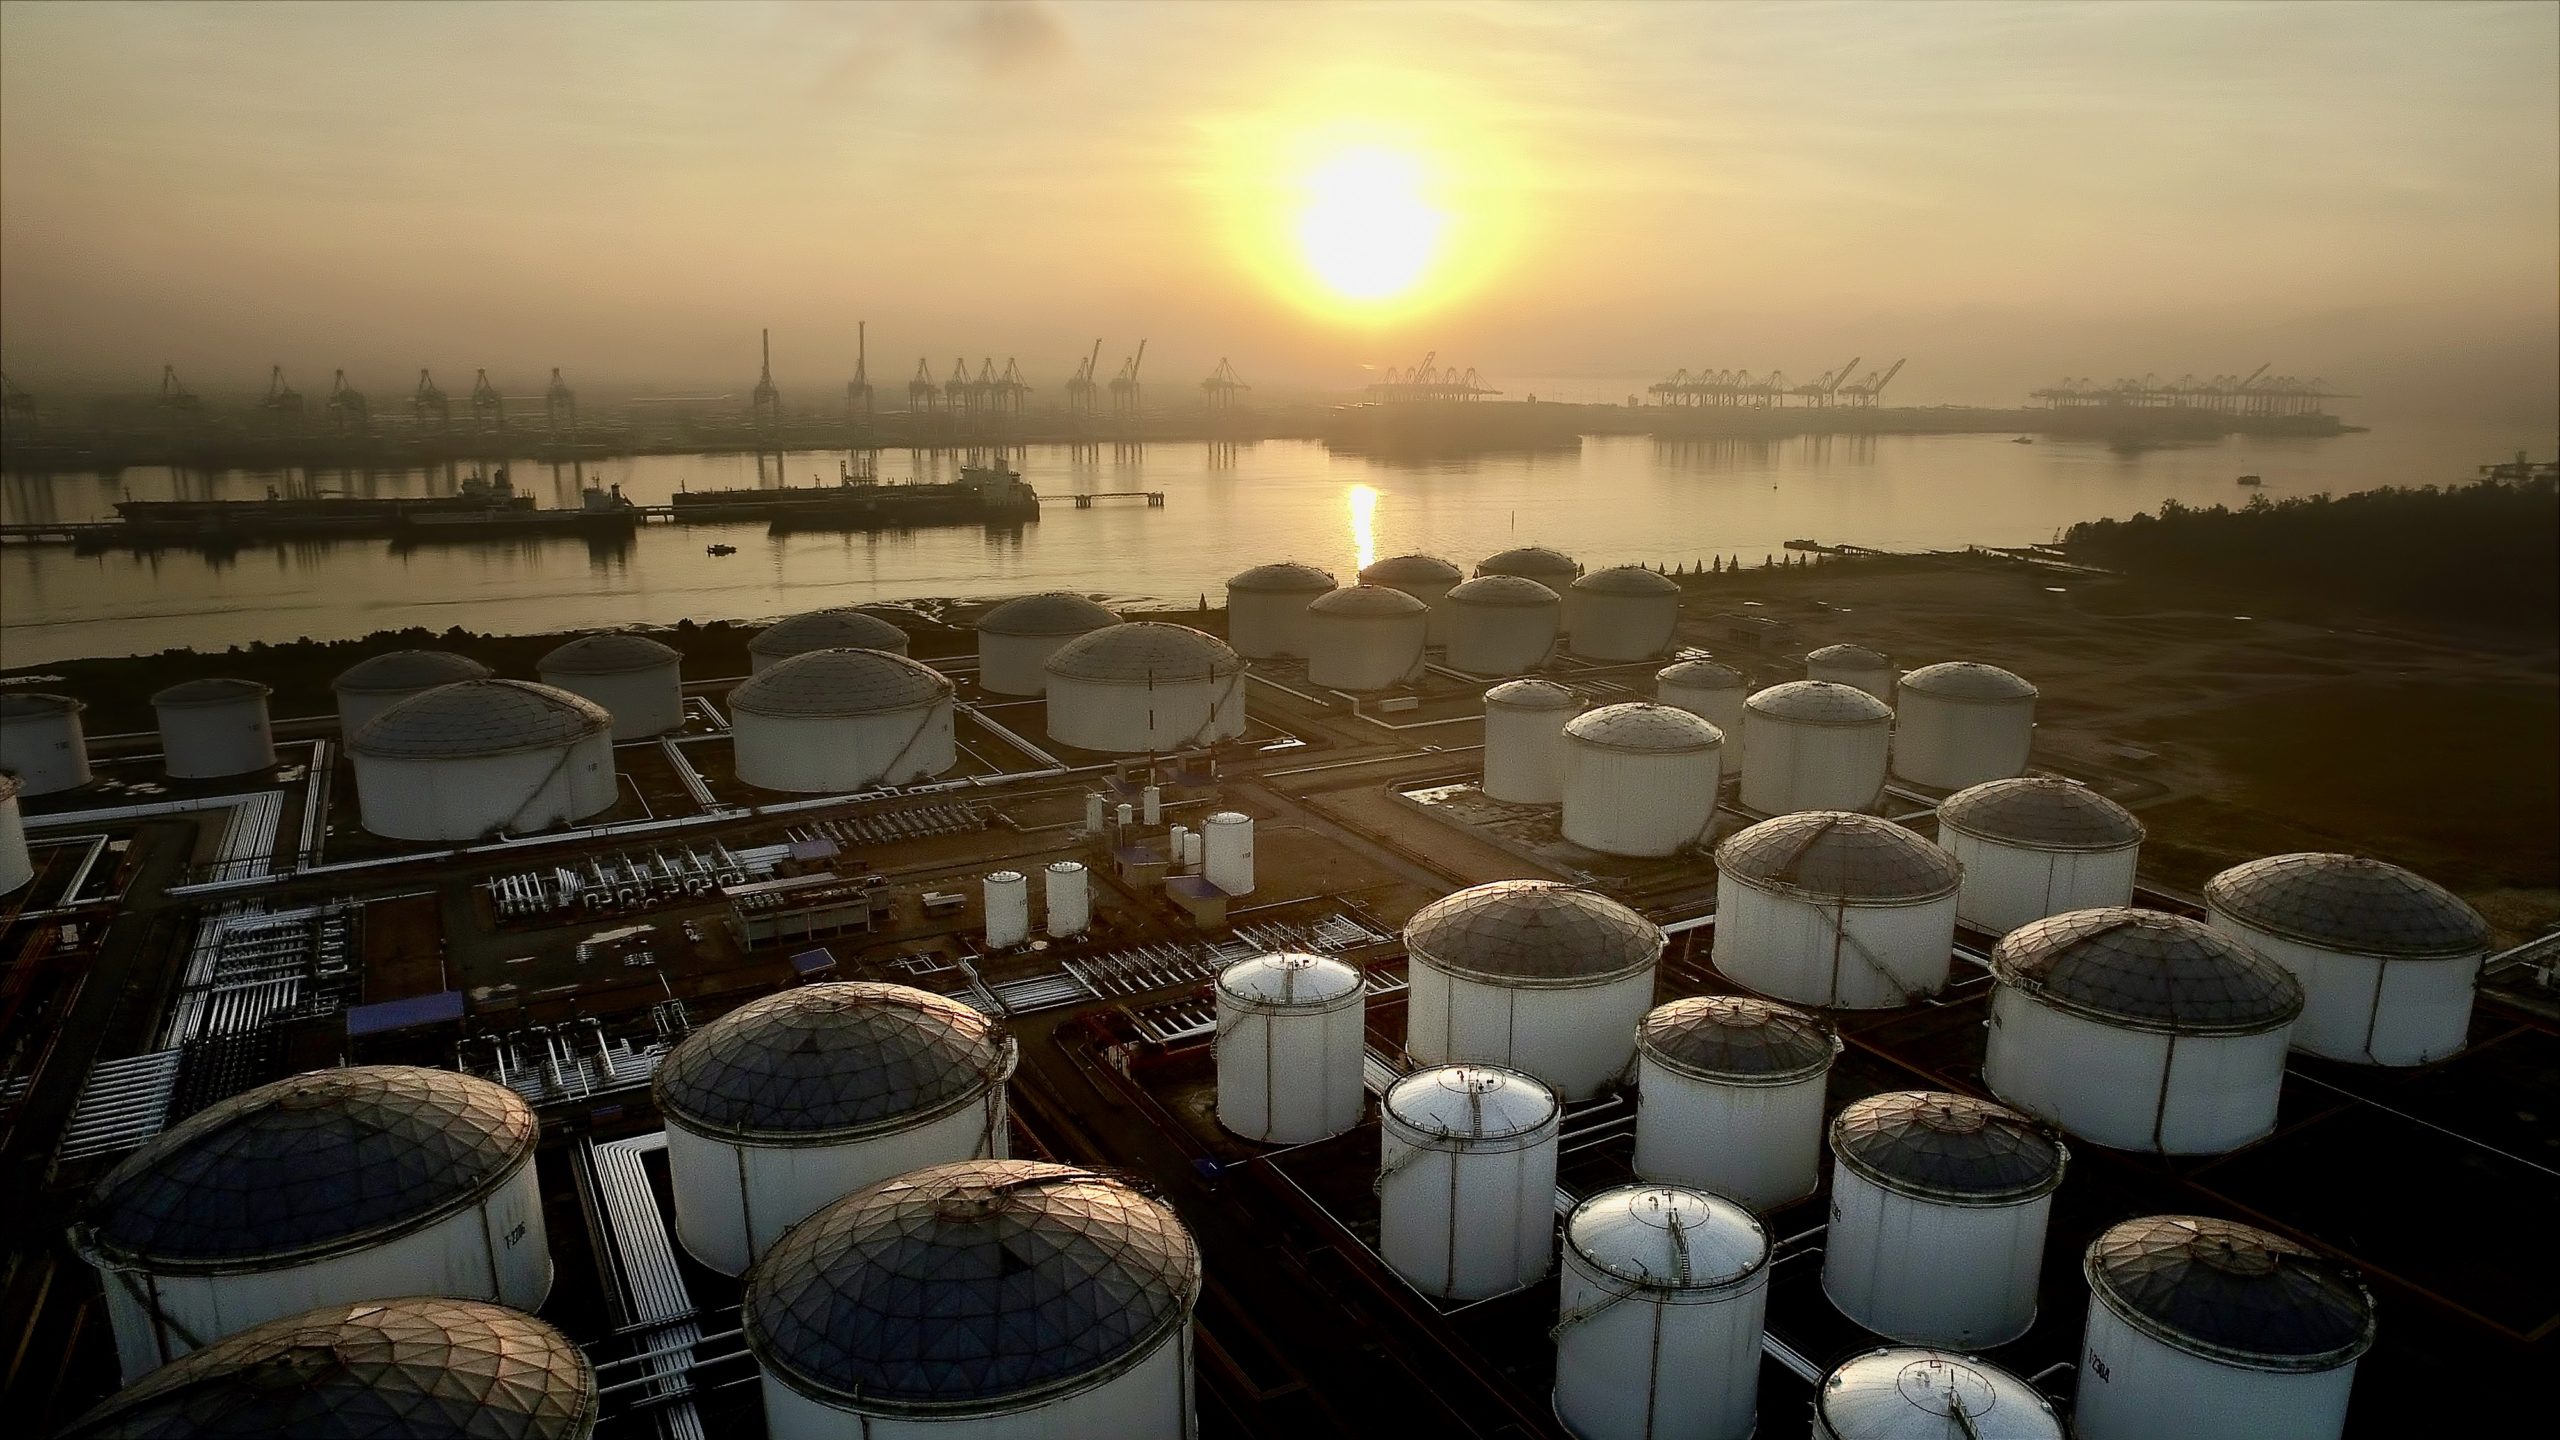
{"x":984,"y":494}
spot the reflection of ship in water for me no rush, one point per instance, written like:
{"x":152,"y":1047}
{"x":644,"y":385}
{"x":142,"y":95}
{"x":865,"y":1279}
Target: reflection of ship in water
{"x":984,"y":494}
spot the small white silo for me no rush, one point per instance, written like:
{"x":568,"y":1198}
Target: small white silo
{"x":1625,"y":612}
{"x":1834,"y":909}
{"x":211,"y":729}
{"x":1426,"y":578}
{"x":16,"y":866}
{"x":483,"y":757}
{"x":791,"y":1101}
{"x":827,"y":720}
{"x":1175,"y":839}
{"x":1962,"y":723}
{"x":1016,"y":639}
{"x":1290,"y":1043}
{"x":1195,"y":853}
{"x":1898,"y":1393}
{"x":1501,"y":625}
{"x":1551,"y":568}
{"x":1467,"y":1180}
{"x":1145,"y":686}
{"x":2208,"y":1329}
{"x":1008,"y":900}
{"x":1729,"y":1097}
{"x":1534,"y":975}
{"x":2388,"y":960}
{"x":1007,"y":1299}
{"x":838,"y":627}
{"x":1938,"y":1211}
{"x":1662,"y":1303}
{"x":1267,"y":609}
{"x":1814,"y":745}
{"x":1714,"y":693}
{"x":1069,"y":899}
{"x":1226,"y":852}
{"x":1151,"y":805}
{"x":2140,"y":1031}
{"x":1524,"y":746}
{"x":639,"y":681}
{"x":2035,"y":846}
{"x":337,"y":1186}
{"x":1855,"y":666}
{"x":369,"y":687}
{"x":1640,"y":779}
{"x":1365,"y":637}
{"x":42,"y":743}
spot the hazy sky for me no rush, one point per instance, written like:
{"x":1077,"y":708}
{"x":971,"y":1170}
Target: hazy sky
{"x":2003,"y":193}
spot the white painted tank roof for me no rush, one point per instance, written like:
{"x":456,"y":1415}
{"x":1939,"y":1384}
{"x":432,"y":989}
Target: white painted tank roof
{"x":1137,"y":651}
{"x":1533,"y":695}
{"x":214,"y":691}
{"x":1053,"y":613}
{"x":2044,"y":812}
{"x":1645,"y":728}
{"x":1283,"y":577}
{"x":2232,"y":1292}
{"x":1969,"y":680}
{"x":1950,"y":1147}
{"x":408,"y":670}
{"x":1534,"y":932}
{"x":1738,"y":1037}
{"x":840,"y":627}
{"x":1472,"y":1102}
{"x":2351,"y":904}
{"x":1852,"y":656}
{"x":841,"y":682}
{"x":1413,"y":570}
{"x":480,"y":717}
{"x":1627,"y":580}
{"x":1534,"y":561}
{"x":1367,"y":602}
{"x":1837,"y":855}
{"x":1668,"y":1237}
{"x":2146,"y":970}
{"x":1506,"y":592}
{"x":35,"y":705}
{"x":1701,"y":675}
{"x":1910,"y":1394}
{"x":1820,"y":702}
{"x":833,"y":1062}
{"x":613,"y":652}
{"x":1291,"y":981}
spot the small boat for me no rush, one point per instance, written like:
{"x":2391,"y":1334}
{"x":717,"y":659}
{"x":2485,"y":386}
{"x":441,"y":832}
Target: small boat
{"x":719,"y":549}
{"x":2024,"y":440}
{"x":2251,"y":480}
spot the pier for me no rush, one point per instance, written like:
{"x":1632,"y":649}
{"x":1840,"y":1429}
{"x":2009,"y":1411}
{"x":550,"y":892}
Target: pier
{"x":1154,"y":498}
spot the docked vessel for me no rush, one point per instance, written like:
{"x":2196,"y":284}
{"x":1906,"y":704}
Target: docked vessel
{"x":984,"y":493}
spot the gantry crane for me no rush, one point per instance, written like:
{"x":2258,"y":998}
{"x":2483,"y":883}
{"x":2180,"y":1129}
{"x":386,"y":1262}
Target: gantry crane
{"x":346,"y":403}
{"x":1869,"y":391}
{"x":764,"y":406}
{"x":920,"y":390}
{"x":1082,"y":387}
{"x":560,"y":407}
{"x":1219,"y":391}
{"x":282,"y":400}
{"x":1125,"y":392}
{"x":488,"y":407}
{"x":174,"y":394}
{"x":428,"y":405}
{"x":857,"y":391}
{"x":956,"y":395}
{"x":1017,"y":390}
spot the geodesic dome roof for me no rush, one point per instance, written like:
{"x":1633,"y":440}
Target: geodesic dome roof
{"x":210,"y":692}
{"x":1850,"y":657}
{"x":1833,"y":855}
{"x":612,"y":652}
{"x":1054,"y":613}
{"x":832,"y":1062}
{"x":408,"y":670}
{"x":2232,"y":1291}
{"x":2351,"y":904}
{"x":839,"y":627}
{"x":1533,"y":561}
{"x":1644,"y":727}
{"x":2040,"y":812}
{"x":1738,"y":1037}
{"x":1362,"y":602}
{"x":1668,"y":1237}
{"x":1820,"y":702}
{"x":1969,"y":680}
{"x":2145,"y":970}
{"x":480,"y":717}
{"x":312,"y":1165}
{"x":1700,"y":675}
{"x":36,"y":704}
{"x":1137,"y":651}
{"x":1535,"y":932}
{"x":965,"y":1286}
{"x":1291,"y":981}
{"x":1472,"y":1102}
{"x":1901,"y":1393}
{"x":1533,"y":695}
{"x":1633,"y":580}
{"x":1503,"y":592}
{"x":1283,"y":577}
{"x":1412,"y":570}
{"x":841,"y":682}
{"x":378,"y":1370}
{"x":1949,"y":1147}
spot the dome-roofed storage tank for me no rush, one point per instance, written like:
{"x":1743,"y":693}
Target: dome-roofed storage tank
{"x":1625,"y":612}
{"x":798,"y":1099}
{"x":1524,"y":746}
{"x":1366,"y":637}
{"x":639,"y":681}
{"x":1814,"y":745}
{"x":1834,"y":909}
{"x":1145,"y":685}
{"x":1729,"y":1097}
{"x":1855,"y":666}
{"x":1426,"y":578}
{"x":17,"y":867}
{"x":369,"y":687}
{"x":1531,"y":974}
{"x":1551,"y":568}
{"x":333,"y":1187}
{"x":1938,"y":1210}
{"x":2208,"y":1329}
{"x":842,"y":720}
{"x":1501,"y":625}
{"x":1467,"y":1180}
{"x":1267,"y":609}
{"x":991,"y":1298}
{"x":1906,"y":1394}
{"x":478,"y":757}
{"x":2035,"y":846}
{"x":2140,"y":1030}
{"x":1714,"y":693}
{"x":1016,"y":639}
{"x":1640,"y":779}
{"x":210,"y":729}
{"x":838,"y":627}
{"x":1664,"y":1298}
{"x":42,"y":743}
{"x":2388,"y":960}
{"x":1290,"y":1043}
{"x":419,"y":1366}
{"x":1961,"y":723}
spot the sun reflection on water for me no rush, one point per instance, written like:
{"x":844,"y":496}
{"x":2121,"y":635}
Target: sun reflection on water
{"x":1364,"y":534}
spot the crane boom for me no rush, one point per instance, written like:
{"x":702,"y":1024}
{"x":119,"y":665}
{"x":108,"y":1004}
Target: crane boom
{"x":1841,"y":376}
{"x":2253,"y":376}
{"x":1878,"y":392}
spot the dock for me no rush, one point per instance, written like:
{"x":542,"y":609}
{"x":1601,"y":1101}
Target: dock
{"x":1154,"y":498}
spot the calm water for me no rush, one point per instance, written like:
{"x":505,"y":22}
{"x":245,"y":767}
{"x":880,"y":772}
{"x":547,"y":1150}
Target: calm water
{"x":1619,"y":500}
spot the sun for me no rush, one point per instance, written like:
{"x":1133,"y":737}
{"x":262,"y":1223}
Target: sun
{"x":1367,"y":230}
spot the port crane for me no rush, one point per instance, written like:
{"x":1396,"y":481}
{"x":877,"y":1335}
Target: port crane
{"x":1870,"y":391}
{"x":1081,"y":386}
{"x":559,"y":406}
{"x":429,"y":403}
{"x":956,"y":396}
{"x":857,"y":391}
{"x":1017,"y":391}
{"x":174,"y":394}
{"x":920,"y":390}
{"x":1222,"y":386}
{"x":1820,"y":392}
{"x":1125,"y":393}
{"x":281,"y":399}
{"x":346,"y":403}
{"x":488,"y":407}
{"x":764,"y":405}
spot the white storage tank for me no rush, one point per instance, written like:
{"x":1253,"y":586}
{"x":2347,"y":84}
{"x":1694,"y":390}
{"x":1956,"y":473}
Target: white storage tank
{"x":1290,"y":1043}
{"x":2208,"y":1329}
{"x":1625,"y":612}
{"x":1501,"y":625}
{"x":1855,"y":666}
{"x":2140,"y":1031}
{"x":1524,"y":745}
{"x":2035,"y":846}
{"x":1938,"y":1210}
{"x":639,"y":681}
{"x":369,"y":687}
{"x":1640,"y":779}
{"x":1714,"y":693}
{"x":838,"y":627}
{"x":1531,"y":974}
{"x":992,"y":1299}
{"x":1016,"y":639}
{"x":1834,"y":909}
{"x":41,"y":742}
{"x":1267,"y":609}
{"x":1426,"y":578}
{"x":1663,"y":1300}
{"x":1467,"y":1180}
{"x":1068,"y":899}
{"x":793,"y":1101}
{"x":2388,"y":960}
{"x":1225,"y":855}
{"x":1814,"y":745}
{"x":1729,"y":1097}
{"x":1366,"y":637}
{"x":1008,"y":901}
{"x":333,"y":1187}
{"x":17,"y":867}
{"x":1906,"y":1394}
{"x":210,"y":729}
{"x":828,"y":720}
{"x":1962,"y":723}
{"x":483,"y":757}
{"x":1551,"y":568}
{"x":1145,"y":686}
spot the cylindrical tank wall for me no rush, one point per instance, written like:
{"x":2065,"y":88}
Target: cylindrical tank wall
{"x":2135,"y":1386}
{"x":1286,"y":1077}
{"x":2133,"y":1089}
{"x":818,"y":753}
{"x":734,"y":1199}
{"x":642,"y":702}
{"x":1120,"y":719}
{"x":1851,"y":957}
{"x":1365,"y":652}
{"x":1757,"y":1144}
{"x":1576,"y":1040}
{"x":1624,"y":802}
{"x":1928,"y":1272}
{"x":1008,"y":900}
{"x":48,"y":751}
{"x":1460,"y":1223}
{"x":1500,"y":639}
{"x":1617,"y":628}
{"x":1014,"y":664}
{"x":1796,"y":766}
{"x":1876,"y":680}
{"x":1721,"y":708}
{"x":468,"y":797}
{"x":1151,"y":1400}
{"x":1664,"y":1365}
{"x":1950,"y":744}
{"x":2368,"y":1010}
{"x":2006,"y":886}
{"x":1070,"y":899}
{"x":1524,"y":753}
{"x":1269,"y":624}
{"x":216,"y":739}
{"x":1226,"y":857}
{"x":17,"y":867}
